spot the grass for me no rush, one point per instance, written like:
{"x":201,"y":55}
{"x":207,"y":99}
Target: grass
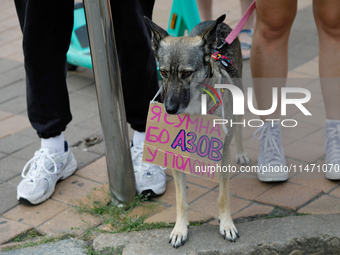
{"x":122,"y":220}
{"x":30,"y":234}
{"x":120,"y":217}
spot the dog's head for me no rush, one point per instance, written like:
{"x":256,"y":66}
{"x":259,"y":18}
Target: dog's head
{"x":182,"y":60}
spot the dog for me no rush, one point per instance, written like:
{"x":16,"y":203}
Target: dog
{"x":181,"y":61}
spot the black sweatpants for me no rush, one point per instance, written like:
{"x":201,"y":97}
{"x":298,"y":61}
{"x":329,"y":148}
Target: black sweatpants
{"x":47,"y":27}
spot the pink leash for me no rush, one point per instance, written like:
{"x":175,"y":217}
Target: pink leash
{"x":233,"y":34}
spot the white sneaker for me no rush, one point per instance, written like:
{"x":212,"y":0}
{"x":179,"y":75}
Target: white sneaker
{"x":45,"y":169}
{"x":332,"y":149}
{"x":271,"y":160}
{"x":150,"y":179}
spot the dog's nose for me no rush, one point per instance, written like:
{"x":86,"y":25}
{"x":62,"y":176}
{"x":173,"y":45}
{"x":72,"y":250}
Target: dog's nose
{"x":172,"y":108}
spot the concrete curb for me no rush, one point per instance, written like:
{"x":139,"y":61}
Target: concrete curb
{"x":312,"y":234}
{"x":62,"y":247}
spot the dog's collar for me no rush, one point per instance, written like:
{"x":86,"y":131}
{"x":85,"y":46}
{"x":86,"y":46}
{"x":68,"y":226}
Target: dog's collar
{"x":222,"y":59}
{"x":227,"y":63}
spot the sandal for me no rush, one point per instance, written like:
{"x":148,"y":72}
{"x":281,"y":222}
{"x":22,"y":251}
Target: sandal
{"x":245,"y":47}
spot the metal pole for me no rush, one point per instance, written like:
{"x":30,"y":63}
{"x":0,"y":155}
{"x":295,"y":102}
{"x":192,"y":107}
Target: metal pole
{"x":110,"y":99}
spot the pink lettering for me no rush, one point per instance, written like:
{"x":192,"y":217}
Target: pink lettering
{"x":156,"y":114}
{"x":166,"y":121}
{"x":184,"y":164}
{"x":167,"y":137}
{"x":166,"y":158}
{"x":204,"y":127}
{"x":192,"y":122}
{"x":153,"y":155}
{"x":148,"y":135}
{"x":181,"y":120}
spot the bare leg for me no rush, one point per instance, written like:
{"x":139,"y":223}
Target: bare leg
{"x":205,"y":9}
{"x":270,"y":48}
{"x":326,"y":15}
{"x":269,"y":59}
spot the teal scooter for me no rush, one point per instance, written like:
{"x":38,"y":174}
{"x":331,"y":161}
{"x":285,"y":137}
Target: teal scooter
{"x":184,"y":16}
{"x":79,"y":51}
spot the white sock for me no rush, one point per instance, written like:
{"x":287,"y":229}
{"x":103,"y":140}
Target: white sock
{"x":138,"y":137}
{"x":57,"y":143}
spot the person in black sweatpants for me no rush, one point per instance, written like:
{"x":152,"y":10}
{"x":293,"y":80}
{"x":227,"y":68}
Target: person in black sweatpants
{"x":47,"y":27}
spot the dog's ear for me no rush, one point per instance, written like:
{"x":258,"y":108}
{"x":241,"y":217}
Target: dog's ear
{"x":209,"y":35}
{"x":158,"y":34}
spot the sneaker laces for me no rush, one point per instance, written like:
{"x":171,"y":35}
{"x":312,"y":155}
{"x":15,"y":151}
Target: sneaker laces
{"x":272,"y":152}
{"x":36,"y":162}
{"x":138,"y":156}
{"x":146,"y":169}
{"x":332,"y":148}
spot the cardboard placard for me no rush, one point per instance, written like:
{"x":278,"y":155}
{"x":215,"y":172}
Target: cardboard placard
{"x":187,"y":143}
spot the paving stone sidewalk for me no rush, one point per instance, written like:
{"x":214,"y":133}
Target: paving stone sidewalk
{"x":302,"y":193}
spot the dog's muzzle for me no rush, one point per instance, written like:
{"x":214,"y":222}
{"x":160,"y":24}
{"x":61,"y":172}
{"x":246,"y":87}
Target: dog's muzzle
{"x":176,"y":103}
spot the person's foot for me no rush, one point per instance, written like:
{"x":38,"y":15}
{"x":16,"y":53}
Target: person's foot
{"x":271,"y":160}
{"x":332,"y":149}
{"x":150,"y":179}
{"x":44,"y":170}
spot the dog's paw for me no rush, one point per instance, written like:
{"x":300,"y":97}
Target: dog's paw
{"x":179,"y":235}
{"x":242,"y":158}
{"x":229,"y":232}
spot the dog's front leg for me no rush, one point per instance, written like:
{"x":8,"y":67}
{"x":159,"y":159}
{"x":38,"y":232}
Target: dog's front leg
{"x":242,"y":157}
{"x":227,"y":227}
{"x":180,"y":232}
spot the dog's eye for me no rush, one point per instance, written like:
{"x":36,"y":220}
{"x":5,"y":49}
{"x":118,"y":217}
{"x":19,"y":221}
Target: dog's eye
{"x":164,"y":74}
{"x":186,"y":75}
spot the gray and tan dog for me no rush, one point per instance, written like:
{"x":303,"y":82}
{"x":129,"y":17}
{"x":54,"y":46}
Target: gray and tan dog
{"x":181,"y":61}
